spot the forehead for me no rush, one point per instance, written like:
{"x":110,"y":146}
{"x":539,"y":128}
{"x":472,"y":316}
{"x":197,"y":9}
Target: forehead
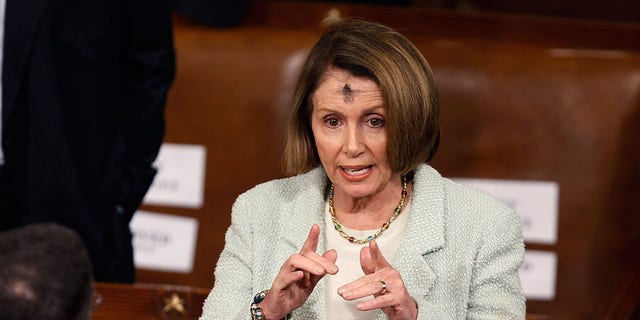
{"x":340,"y":84}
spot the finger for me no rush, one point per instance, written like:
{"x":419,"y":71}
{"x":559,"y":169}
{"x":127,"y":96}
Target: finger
{"x":376,"y":303}
{"x":331,"y":256}
{"x":367,"y":265}
{"x":288,"y":279}
{"x":328,"y":262}
{"x":297,"y":268}
{"x":376,"y":256}
{"x":311,"y":243}
{"x":311,"y":263}
{"x":363,"y":287}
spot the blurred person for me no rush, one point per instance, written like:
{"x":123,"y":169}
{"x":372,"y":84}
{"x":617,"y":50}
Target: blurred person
{"x":363,"y":228}
{"x":45,"y":274}
{"x":84,"y":87}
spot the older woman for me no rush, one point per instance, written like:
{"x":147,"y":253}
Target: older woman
{"x":363,"y":228}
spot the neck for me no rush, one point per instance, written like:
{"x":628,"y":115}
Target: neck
{"x":368,"y":213}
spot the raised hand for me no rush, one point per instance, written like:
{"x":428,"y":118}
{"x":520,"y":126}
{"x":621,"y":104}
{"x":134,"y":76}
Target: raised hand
{"x":298,"y":277}
{"x":384,"y":283}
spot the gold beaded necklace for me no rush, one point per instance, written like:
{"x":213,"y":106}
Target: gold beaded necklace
{"x":378,"y":233}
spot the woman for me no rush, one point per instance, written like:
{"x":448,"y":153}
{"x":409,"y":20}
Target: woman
{"x":388,"y":236}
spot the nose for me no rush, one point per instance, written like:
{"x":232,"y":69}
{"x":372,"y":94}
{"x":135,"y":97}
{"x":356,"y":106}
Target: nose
{"x":354,"y":144}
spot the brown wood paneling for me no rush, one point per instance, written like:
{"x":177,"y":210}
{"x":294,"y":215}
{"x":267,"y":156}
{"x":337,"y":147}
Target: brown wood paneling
{"x":531,"y":30}
{"x":613,"y":10}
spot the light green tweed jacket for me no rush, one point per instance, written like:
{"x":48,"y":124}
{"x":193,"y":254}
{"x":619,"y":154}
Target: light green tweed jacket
{"x":459,"y":258}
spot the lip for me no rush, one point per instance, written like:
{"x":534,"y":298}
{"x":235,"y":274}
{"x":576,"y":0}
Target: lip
{"x":357,"y":177}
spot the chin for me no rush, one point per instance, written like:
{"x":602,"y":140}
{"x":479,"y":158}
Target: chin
{"x":358,"y":190}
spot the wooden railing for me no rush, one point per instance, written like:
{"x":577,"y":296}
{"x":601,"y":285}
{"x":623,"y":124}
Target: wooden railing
{"x":147,"y":302}
{"x":162,"y":302}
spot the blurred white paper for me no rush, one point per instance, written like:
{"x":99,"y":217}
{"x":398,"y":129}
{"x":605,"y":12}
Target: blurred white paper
{"x":180,"y":178}
{"x":538,"y":275}
{"x":163,"y":242}
{"x":536,"y":202}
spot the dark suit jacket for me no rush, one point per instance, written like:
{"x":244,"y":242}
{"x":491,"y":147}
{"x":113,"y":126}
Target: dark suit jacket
{"x":84,"y":90}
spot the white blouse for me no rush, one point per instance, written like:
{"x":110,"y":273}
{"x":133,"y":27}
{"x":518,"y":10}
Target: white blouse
{"x":348,"y":263}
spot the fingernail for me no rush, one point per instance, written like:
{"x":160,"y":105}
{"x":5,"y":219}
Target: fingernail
{"x":318,"y":270}
{"x":334,"y":269}
{"x":344,"y":293}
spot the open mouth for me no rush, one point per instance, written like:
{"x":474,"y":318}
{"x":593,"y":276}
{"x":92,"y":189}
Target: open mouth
{"x":356,"y":171}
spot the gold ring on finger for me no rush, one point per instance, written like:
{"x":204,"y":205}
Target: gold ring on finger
{"x":383,"y":290}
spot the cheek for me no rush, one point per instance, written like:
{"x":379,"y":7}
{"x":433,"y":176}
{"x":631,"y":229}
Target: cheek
{"x":379,"y":147}
{"x":326,"y":146}
{"x":324,"y":142}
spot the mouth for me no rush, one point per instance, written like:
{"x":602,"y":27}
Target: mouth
{"x":356,"y":171}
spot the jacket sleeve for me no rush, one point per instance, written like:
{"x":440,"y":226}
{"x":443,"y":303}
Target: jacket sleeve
{"x":495,"y":291}
{"x":231,"y":295}
{"x":147,"y":72}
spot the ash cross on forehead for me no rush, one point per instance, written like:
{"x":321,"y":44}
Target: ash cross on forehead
{"x":347,"y":92}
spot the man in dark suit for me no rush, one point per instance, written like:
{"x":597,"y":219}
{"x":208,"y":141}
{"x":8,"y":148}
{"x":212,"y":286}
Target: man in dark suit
{"x":84,"y":86}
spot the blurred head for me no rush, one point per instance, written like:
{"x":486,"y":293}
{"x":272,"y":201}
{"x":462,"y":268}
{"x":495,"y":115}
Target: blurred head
{"x":408,"y":93}
{"x":45,"y":274}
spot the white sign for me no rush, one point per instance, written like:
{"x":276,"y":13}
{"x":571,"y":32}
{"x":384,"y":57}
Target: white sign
{"x":538,"y":275}
{"x":536,"y":202}
{"x":180,"y":178}
{"x":163,"y":242}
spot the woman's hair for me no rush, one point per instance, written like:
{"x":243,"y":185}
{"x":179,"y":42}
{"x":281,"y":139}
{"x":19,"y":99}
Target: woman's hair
{"x":371,"y":50}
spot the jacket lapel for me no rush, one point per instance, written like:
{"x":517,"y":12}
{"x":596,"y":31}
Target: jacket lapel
{"x":425,"y":233}
{"x":23,"y":22}
{"x":306,"y":209}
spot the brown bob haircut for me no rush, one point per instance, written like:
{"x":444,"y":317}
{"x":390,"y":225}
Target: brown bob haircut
{"x":371,"y":50}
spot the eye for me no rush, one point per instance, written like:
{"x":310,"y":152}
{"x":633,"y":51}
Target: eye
{"x":376,"y":122}
{"x":332,"y":122}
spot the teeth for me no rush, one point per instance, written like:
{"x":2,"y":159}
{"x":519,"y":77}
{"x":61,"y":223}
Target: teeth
{"x":356,"y":172}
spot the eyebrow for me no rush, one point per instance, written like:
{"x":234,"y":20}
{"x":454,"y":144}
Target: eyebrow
{"x":370,"y":110}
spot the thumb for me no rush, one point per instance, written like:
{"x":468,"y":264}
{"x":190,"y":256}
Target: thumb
{"x":331,"y":255}
{"x":376,"y":256}
{"x":366,"y":263}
